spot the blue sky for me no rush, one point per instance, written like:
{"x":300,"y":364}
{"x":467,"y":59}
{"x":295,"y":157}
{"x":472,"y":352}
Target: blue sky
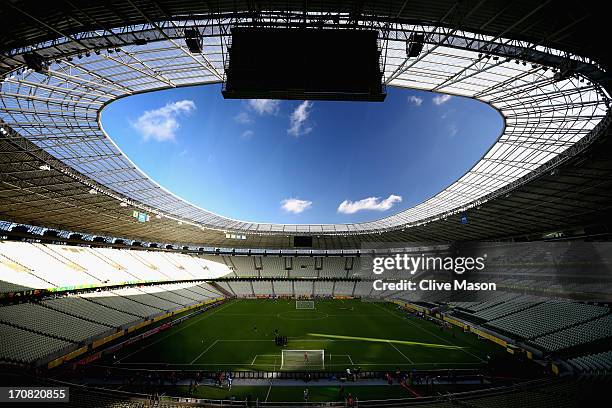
{"x":302,"y":161}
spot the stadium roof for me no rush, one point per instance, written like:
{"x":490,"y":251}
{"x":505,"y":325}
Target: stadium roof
{"x":60,"y":170}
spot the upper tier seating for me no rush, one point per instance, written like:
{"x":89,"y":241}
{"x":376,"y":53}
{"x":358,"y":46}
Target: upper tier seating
{"x":15,"y":277}
{"x":25,"y":265}
{"x":293,"y":267}
{"x":45,"y":264}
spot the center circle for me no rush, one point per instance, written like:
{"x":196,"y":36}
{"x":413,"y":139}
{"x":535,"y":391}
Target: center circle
{"x":301,"y":315}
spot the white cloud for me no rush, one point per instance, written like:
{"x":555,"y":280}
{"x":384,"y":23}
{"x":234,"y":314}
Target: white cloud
{"x":247,"y":134}
{"x":243,"y":118}
{"x":264,"y":106}
{"x":298,"y":125}
{"x":415,"y":100}
{"x":295,"y":206}
{"x":453,"y":130}
{"x":161,"y":124}
{"x":440,"y":99}
{"x":370,"y":203}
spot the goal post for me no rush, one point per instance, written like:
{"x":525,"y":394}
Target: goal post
{"x":304,"y":304}
{"x":303,"y":360}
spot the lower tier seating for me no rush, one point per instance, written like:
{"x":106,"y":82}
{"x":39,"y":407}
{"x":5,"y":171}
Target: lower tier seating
{"x":22,"y":346}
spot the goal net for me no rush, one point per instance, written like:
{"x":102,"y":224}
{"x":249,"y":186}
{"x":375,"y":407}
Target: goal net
{"x":303,"y":360}
{"x":304,"y":304}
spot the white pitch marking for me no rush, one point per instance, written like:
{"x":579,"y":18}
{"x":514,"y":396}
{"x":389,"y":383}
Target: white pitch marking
{"x":399,"y":351}
{"x":202,"y":353}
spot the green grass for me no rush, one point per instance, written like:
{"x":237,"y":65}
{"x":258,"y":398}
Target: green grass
{"x":373,"y":336}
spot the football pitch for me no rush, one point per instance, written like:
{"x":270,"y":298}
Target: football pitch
{"x":240,"y":334}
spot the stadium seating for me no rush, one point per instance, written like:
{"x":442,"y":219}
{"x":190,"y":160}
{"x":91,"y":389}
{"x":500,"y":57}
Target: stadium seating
{"x":38,"y":259}
{"x":22,"y":346}
{"x":600,"y":363}
{"x":500,"y":310}
{"x":26,"y":266}
{"x":304,"y":268}
{"x":80,"y":307}
{"x":241,"y":288}
{"x":93,"y":260}
{"x":227,"y":287}
{"x":209,"y":289}
{"x":263,"y":287}
{"x":344,"y":288}
{"x":303,"y":288}
{"x":121,"y":301}
{"x":333,"y":267}
{"x":244,"y":266}
{"x":546,"y":317}
{"x":167,"y":295}
{"x":489,"y":299}
{"x":7,"y":287}
{"x":31,"y":332}
{"x":276,"y":266}
{"x":149,"y":299}
{"x":283,"y":288}
{"x":363,"y":289}
{"x":588,"y":332}
{"x":50,"y":322}
{"x":323,"y":288}
{"x":16,"y":277}
{"x":273,"y":267}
